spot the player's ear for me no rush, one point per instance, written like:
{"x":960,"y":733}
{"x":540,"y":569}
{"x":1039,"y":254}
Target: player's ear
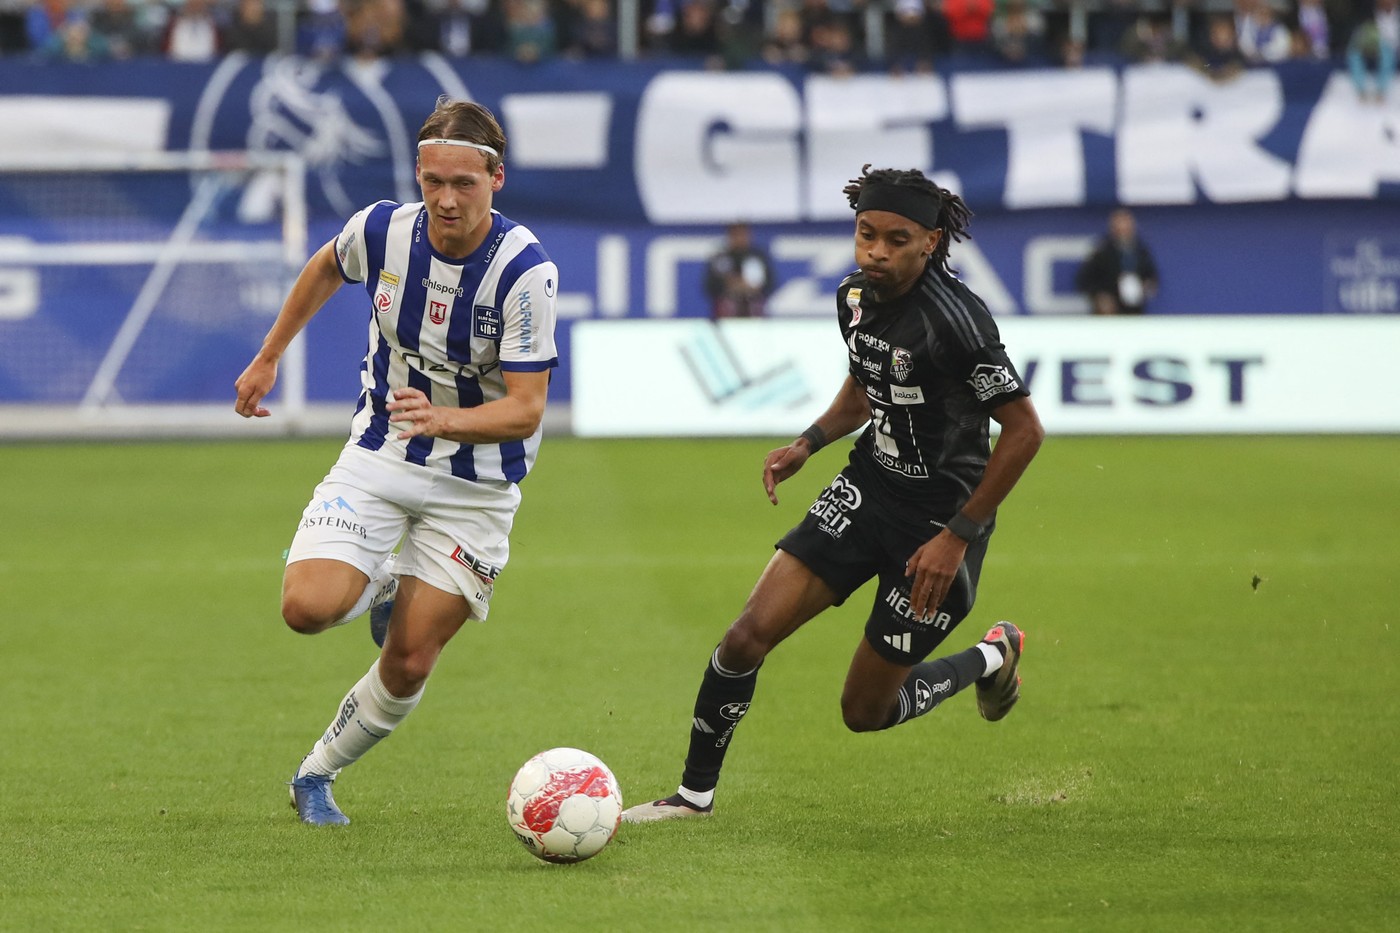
{"x":498,"y":180}
{"x":934,"y":236}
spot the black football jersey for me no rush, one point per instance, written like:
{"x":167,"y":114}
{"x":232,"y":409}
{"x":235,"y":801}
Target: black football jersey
{"x":933,"y":367}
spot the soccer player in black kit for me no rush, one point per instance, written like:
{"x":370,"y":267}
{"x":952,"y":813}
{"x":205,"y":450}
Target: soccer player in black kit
{"x":914,"y":506}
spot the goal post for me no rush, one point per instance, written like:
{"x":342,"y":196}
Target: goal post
{"x":134,"y":287}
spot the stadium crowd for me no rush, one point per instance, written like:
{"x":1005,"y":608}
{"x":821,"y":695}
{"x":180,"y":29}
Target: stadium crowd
{"x":835,"y":36}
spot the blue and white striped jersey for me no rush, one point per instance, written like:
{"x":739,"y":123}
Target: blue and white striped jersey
{"x":448,"y":327}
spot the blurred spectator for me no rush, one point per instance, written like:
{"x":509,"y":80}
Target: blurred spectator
{"x":909,"y":37}
{"x":784,"y":45}
{"x":1218,"y":58}
{"x":594,"y":31}
{"x":696,"y":31}
{"x":1372,"y":51}
{"x":1313,"y":37}
{"x":739,"y":278}
{"x":833,"y":49}
{"x":321,"y":30}
{"x":121,"y":29}
{"x":1110,"y":21}
{"x":373,"y":28}
{"x":1018,"y":34}
{"x":192,"y":35}
{"x":969,"y":22}
{"x":252,"y":29}
{"x":1120,"y":275}
{"x":456,"y":28}
{"x":1261,"y":37}
{"x":1071,"y":53}
{"x":739,"y":24}
{"x":1151,"y":40}
{"x":74,"y":41}
{"x":44,"y":20}
{"x":531,"y":35}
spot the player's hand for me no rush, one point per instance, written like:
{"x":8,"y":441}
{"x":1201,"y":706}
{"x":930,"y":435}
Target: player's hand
{"x":779,"y":465}
{"x":252,"y":387}
{"x":933,"y":566}
{"x":412,"y":411}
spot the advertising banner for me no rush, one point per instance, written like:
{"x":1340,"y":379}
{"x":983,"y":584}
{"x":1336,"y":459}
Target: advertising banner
{"x":1197,"y":375}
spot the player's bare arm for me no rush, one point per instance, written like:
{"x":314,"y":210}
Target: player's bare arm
{"x":318,"y":280}
{"x":512,"y":418}
{"x":848,"y":411}
{"x":934,"y":565}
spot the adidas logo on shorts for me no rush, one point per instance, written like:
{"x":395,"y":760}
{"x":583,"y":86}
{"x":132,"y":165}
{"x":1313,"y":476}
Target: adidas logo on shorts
{"x":902,"y":642}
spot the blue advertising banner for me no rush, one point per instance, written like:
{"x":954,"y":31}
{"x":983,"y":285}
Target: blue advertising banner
{"x":1278,"y":193}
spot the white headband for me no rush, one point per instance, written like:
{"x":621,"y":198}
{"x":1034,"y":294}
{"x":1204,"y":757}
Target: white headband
{"x":458,"y":142}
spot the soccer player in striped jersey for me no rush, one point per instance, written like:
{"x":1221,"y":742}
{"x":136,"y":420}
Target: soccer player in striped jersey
{"x":913,"y":507}
{"x":453,"y":388}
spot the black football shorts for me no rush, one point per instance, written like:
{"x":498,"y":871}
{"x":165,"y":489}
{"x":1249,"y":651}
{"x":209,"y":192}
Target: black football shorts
{"x":846,"y":538}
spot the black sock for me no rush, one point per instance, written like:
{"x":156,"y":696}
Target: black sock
{"x":722,"y":701}
{"x":932,"y":682}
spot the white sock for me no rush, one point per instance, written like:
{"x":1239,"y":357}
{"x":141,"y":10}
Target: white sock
{"x":381,"y":588}
{"x":367,"y":714}
{"x":701,"y":798}
{"x":993,"y":656}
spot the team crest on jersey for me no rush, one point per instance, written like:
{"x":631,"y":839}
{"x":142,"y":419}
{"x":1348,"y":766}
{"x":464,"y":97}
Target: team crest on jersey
{"x":853,"y":302}
{"x":437,"y":311}
{"x":901,"y":364}
{"x":385,"y":293}
{"x":486,"y":322}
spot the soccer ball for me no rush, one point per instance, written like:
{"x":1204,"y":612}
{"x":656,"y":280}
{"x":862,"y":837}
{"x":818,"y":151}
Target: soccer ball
{"x":564,"y":805}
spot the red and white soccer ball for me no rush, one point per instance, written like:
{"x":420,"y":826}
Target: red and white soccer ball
{"x":564,"y":805}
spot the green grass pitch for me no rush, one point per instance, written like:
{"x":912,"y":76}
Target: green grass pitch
{"x":1208,"y":736}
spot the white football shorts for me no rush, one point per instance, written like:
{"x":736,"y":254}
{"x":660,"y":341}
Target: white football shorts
{"x":455,"y":531}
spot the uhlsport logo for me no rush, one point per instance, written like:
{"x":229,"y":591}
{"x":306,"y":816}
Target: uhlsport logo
{"x":988,"y":381}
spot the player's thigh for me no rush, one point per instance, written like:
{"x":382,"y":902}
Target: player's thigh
{"x":894,"y":631}
{"x":347,"y":529}
{"x":461,"y":541}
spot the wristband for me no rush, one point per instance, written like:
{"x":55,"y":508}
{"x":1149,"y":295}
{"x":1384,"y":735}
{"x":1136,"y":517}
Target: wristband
{"x":815,"y":438}
{"x":965,"y":528}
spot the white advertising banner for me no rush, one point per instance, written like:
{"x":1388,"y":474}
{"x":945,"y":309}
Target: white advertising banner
{"x":1164,"y":375}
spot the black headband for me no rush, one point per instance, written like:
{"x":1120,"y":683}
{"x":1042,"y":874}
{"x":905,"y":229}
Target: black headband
{"x":920,"y":206}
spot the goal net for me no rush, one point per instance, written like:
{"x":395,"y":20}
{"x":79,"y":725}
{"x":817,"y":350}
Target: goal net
{"x":135,"y":287}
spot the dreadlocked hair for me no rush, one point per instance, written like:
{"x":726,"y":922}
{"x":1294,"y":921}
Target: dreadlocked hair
{"x":953,"y":216}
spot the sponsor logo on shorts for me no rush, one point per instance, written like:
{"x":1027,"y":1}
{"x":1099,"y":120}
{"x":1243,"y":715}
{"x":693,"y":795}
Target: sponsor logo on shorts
{"x":330,"y":513}
{"x":831,"y":508}
{"x":898,"y":600}
{"x":481,"y":568}
{"x":988,"y":381}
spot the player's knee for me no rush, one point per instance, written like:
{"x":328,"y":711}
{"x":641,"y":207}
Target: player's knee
{"x":742,"y":648}
{"x":404,"y":674}
{"x":303,"y":616}
{"x":861,"y":716}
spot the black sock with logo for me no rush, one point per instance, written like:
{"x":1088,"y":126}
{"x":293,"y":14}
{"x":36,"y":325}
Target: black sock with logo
{"x":932,"y":682}
{"x":722,"y":701}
